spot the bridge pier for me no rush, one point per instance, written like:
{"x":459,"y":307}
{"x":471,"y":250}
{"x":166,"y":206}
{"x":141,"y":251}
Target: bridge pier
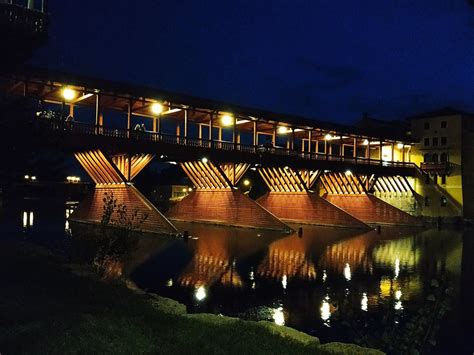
{"x":216,"y":200}
{"x":292,"y":200}
{"x":115,"y":201}
{"x":352,"y":194}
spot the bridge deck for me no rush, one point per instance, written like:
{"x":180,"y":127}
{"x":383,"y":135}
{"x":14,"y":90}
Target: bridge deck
{"x":79,"y":136}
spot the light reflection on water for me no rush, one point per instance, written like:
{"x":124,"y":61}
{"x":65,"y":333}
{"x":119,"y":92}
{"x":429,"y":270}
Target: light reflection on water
{"x":313,"y":283}
{"x":28,"y":219}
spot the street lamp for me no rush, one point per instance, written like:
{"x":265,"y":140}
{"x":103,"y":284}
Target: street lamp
{"x":157,"y":108}
{"x":69,"y":94}
{"x":227,"y":120}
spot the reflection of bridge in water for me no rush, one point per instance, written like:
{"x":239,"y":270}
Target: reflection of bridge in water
{"x":216,"y":144}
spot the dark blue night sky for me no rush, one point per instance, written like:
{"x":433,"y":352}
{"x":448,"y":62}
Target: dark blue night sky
{"x":330,"y":60}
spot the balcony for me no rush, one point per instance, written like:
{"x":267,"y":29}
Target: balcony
{"x":438,"y":168}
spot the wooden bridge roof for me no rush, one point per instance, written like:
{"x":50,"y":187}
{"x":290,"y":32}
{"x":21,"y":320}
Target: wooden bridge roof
{"x":126,"y":91}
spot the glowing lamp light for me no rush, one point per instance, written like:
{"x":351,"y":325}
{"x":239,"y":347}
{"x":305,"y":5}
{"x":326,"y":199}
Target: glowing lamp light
{"x":185,"y":189}
{"x":279,"y":316}
{"x":190,"y":189}
{"x":246,"y":182}
{"x":283,"y":130}
{"x":366,"y":142}
{"x":200,"y":293}
{"x":204,"y":160}
{"x":325,"y":311}
{"x":27,"y":177}
{"x":348,"y":172}
{"x":400,"y":145}
{"x":157,"y":108}
{"x":227,"y":120}
{"x":347,"y":272}
{"x":328,"y":137}
{"x":33,"y":178}
{"x":364,"y":302}
{"x":69,"y":94}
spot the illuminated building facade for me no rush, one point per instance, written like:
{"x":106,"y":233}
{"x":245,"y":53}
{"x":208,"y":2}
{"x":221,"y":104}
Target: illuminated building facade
{"x":445,"y":157}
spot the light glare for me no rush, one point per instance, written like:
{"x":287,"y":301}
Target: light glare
{"x":69,"y":94}
{"x":157,"y":108}
{"x":227,"y":120}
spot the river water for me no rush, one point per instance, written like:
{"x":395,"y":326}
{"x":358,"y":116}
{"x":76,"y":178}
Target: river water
{"x":389,"y":290}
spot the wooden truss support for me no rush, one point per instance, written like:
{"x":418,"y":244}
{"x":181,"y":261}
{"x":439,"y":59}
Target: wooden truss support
{"x":131,"y":170}
{"x":207,"y":176}
{"x":100,"y":168}
{"x":344,"y":184}
{"x":390,"y":184}
{"x":288,"y":180}
{"x":114,"y":170}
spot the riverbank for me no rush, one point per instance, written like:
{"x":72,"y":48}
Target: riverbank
{"x":49,"y":307}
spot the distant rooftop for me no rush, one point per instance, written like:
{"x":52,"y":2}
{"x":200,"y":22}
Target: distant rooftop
{"x":445,"y":111}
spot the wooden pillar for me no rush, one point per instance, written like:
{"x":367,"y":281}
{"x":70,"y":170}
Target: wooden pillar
{"x":393,"y":151}
{"x":341,"y":148}
{"x":71,"y":110}
{"x":310,"y":138}
{"x":292,"y":144}
{"x":98,"y":113}
{"x":234,"y":133}
{"x":367,"y":150}
{"x":185,"y":123}
{"x":220,"y":134}
{"x":380,"y":151}
{"x":178,"y":130}
{"x":210,"y":128}
{"x":255,"y":133}
{"x":274,"y":135}
{"x":403,"y":153}
{"x":129,"y":117}
{"x":355,"y":149}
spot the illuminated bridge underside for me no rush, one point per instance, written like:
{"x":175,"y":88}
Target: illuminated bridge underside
{"x":112,"y":177}
{"x":291,"y":199}
{"x":216,"y":201}
{"x":349,"y":193}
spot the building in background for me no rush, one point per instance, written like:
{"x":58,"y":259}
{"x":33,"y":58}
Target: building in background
{"x":445,"y":155}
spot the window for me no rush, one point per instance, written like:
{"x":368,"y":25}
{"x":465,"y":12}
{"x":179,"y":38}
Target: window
{"x":427,"y":125}
{"x":443,"y":157}
{"x":443,"y":201}
{"x":444,"y":124}
{"x":427,"y":142}
{"x":435,"y":141}
{"x":443,"y":179}
{"x":427,"y":157}
{"x":434,"y":158}
{"x":444,"y":140}
{"x":427,"y":201}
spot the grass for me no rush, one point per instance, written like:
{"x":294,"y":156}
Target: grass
{"x":47,"y":309}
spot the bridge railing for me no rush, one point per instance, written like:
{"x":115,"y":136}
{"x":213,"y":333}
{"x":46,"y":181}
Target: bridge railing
{"x":121,"y":133}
